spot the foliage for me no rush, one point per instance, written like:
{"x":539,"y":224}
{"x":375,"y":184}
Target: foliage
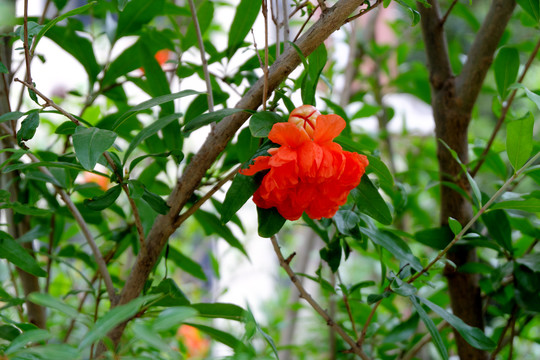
{"x":70,"y":245}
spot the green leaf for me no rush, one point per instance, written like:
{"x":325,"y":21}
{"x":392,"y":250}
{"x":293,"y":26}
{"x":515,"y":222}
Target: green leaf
{"x":208,"y":118}
{"x":170,"y":318}
{"x":26,"y":337}
{"x":270,"y":222}
{"x":346,"y":220}
{"x":530,"y":205}
{"x":220,"y":311}
{"x":156,"y":202}
{"x":246,"y":14}
{"x":28,"y":126}
{"x":170,"y":294}
{"x":19,"y":256}
{"x":506,"y":66}
{"x":51,"y":302}
{"x":519,"y":140}
{"x":380,"y":169}
{"x":413,"y":13}
{"x":66,"y":128}
{"x":56,"y":20}
{"x":439,"y":344}
{"x":261,"y":123}
{"x":532,"y":261}
{"x":3,"y":69}
{"x":393,"y":244}
{"x":136,"y":14}
{"x":14,"y":115}
{"x":104,"y":201}
{"x":90,"y":144}
{"x":370,"y":202}
{"x":316,"y":62}
{"x":402,"y":288}
{"x":455,"y":225}
{"x":499,"y":228}
{"x":242,"y":188}
{"x":212,"y":225}
{"x":187,"y":264}
{"x":531,"y":7}
{"x":150,"y":104}
{"x":149,"y":131}
{"x":474,"y":336}
{"x":218,"y":335}
{"x":113,"y":318}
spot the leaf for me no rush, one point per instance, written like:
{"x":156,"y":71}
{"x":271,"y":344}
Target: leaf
{"x":316,"y":62}
{"x":187,"y":264}
{"x":530,"y":205}
{"x":3,"y":69}
{"x":14,"y":115}
{"x":519,"y":140}
{"x":474,"y":336}
{"x":220,"y":311}
{"x":149,"y":131}
{"x":439,"y":344}
{"x":244,"y":18}
{"x":104,"y":201}
{"x":499,"y":228}
{"x":455,"y":225}
{"x":56,"y":20}
{"x":136,"y":14}
{"x":156,"y":202}
{"x":531,"y":7}
{"x":26,"y":337}
{"x":380,"y":169}
{"x":346,"y":220}
{"x":90,"y":143}
{"x":242,"y":188}
{"x":28,"y":126}
{"x":170,"y":294}
{"x":402,"y":288}
{"x":19,"y":256}
{"x":208,"y":118}
{"x":261,"y":123}
{"x":369,"y":201}
{"x":113,"y":318}
{"x":270,"y":222}
{"x":393,"y":244}
{"x":170,"y":318}
{"x":150,"y":104}
{"x":414,"y":14}
{"x":506,"y":66}
{"x":532,"y":261}
{"x":51,"y":302}
{"x":212,"y":225}
{"x":66,"y":128}
{"x":218,"y":335}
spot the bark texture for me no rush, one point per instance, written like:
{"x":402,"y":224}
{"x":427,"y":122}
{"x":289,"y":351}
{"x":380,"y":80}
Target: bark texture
{"x":453,"y":98}
{"x":330,"y":21}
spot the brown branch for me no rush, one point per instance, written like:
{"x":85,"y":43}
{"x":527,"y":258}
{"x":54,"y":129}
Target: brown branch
{"x":265,"y":68}
{"x":480,"y":56}
{"x":445,"y":17}
{"x":500,"y":342}
{"x":504,"y":112}
{"x":355,"y":348}
{"x":364,"y":11}
{"x":25,"y":43}
{"x":216,"y":142}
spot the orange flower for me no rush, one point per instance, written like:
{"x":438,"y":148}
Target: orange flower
{"x":102,"y":181}
{"x":197,"y":346}
{"x":309,"y":172}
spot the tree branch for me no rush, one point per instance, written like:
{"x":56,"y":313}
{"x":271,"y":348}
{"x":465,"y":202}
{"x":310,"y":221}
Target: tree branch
{"x":480,"y":57}
{"x":355,"y":348}
{"x":215,"y":143}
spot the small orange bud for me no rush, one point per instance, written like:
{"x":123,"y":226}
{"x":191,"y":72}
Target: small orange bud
{"x":162,"y":56}
{"x":305,"y":117}
{"x":102,"y":181}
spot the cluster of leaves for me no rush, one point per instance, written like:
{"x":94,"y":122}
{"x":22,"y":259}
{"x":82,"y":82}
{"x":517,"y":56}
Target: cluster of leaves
{"x":387,"y":220}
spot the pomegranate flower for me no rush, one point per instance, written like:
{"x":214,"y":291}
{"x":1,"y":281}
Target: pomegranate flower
{"x":309,"y":172}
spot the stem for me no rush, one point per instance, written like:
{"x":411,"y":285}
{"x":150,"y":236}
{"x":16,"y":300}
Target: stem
{"x":285,"y":24}
{"x":364,"y":11}
{"x":203,"y":56}
{"x":25,"y":43}
{"x":265,"y":68}
{"x":348,"y":307}
{"x":423,"y":341}
{"x":504,"y":111}
{"x":443,"y":20}
{"x":475,"y":217}
{"x":355,"y":348}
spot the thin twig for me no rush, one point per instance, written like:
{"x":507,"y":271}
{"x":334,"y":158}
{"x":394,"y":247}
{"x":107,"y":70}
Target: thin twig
{"x":348,"y":307}
{"x":203,"y":56}
{"x":85,"y":230}
{"x":443,"y":20}
{"x":25,"y":43}
{"x":368,"y":321}
{"x":285,"y":24}
{"x":305,"y":23}
{"x":265,"y":68}
{"x":207,"y":196}
{"x":49,"y":253}
{"x":363,"y":12}
{"x":503,"y":333}
{"x":504,"y":111}
{"x":298,"y":8}
{"x":475,"y":217}
{"x":423,"y":341}
{"x":355,"y":348}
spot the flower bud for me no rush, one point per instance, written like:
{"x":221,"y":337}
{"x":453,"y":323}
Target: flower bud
{"x":305,"y":117}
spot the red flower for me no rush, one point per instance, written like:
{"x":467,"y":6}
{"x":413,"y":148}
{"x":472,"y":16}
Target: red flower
{"x":308,"y":173}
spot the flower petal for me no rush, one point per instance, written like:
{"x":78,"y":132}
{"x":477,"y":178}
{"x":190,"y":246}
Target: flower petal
{"x":288,"y":134}
{"x":260,"y":163}
{"x":328,"y":127}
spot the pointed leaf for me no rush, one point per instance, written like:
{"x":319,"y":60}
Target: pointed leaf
{"x":242,"y":188}
{"x":156,"y":202}
{"x":218,"y":335}
{"x":455,"y":226}
{"x":261,"y":123}
{"x":212,"y":225}
{"x":499,"y":228}
{"x":530,"y":205}
{"x":369,"y":201}
{"x":246,"y":14}
{"x":28,"y":126}
{"x":90,"y":144}
{"x":19,"y":256}
{"x":519,"y":140}
{"x":270,"y":222}
{"x":506,"y":66}
{"x":51,"y":302}
{"x":26,"y":337}
{"x":220,"y":311}
{"x":437,"y":340}
{"x":208,"y":118}
{"x":104,"y":201}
